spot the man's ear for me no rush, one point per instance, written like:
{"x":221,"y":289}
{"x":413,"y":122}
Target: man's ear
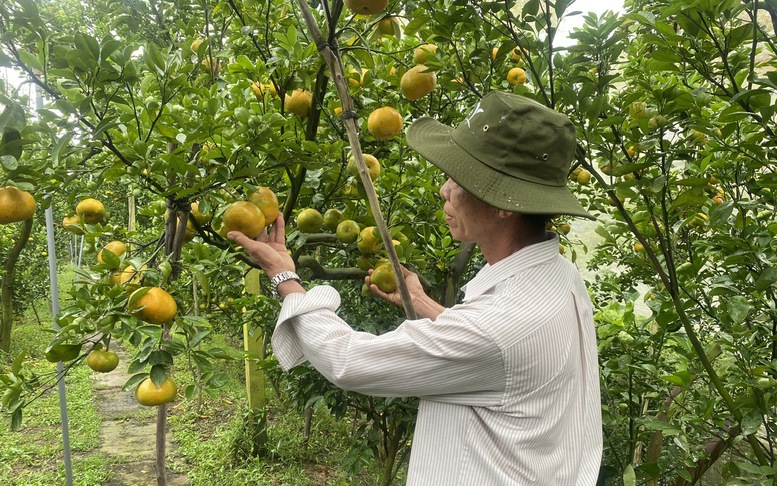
{"x":504,"y":214}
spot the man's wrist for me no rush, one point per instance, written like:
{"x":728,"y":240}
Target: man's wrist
{"x":280,"y":278}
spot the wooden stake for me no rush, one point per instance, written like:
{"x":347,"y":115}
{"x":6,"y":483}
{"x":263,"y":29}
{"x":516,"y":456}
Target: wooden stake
{"x":335,"y":65}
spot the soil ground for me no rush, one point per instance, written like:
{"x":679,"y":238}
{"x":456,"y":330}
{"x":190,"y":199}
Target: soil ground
{"x":128,"y":435}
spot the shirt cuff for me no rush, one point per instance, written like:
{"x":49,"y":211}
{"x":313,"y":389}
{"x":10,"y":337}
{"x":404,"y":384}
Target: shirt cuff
{"x":285,"y":343}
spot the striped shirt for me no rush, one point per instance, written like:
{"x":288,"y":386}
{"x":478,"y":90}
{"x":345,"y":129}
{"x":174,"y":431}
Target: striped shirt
{"x":508,"y":379}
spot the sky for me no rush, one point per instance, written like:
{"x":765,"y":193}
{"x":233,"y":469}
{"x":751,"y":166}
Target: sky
{"x":584,"y":6}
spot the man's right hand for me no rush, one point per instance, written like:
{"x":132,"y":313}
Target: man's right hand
{"x":423,"y":305}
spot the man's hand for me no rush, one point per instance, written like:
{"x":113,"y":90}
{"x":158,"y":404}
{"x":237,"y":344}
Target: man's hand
{"x":267,"y":250}
{"x":424,"y":305}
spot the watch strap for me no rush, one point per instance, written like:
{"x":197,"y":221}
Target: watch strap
{"x":280,"y":278}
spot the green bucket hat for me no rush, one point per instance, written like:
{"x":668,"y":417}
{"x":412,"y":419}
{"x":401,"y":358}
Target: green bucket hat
{"x":510,"y":152}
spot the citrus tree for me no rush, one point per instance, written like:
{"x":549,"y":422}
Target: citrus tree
{"x":208,"y":103}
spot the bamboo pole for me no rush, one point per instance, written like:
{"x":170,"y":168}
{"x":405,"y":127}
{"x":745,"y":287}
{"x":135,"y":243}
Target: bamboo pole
{"x":333,"y":61}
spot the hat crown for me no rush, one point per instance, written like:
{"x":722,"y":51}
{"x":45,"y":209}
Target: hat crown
{"x":519,"y":137}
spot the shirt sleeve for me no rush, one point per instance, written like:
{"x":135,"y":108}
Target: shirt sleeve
{"x":449,"y":359}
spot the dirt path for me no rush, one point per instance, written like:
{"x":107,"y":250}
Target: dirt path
{"x":128,"y":433}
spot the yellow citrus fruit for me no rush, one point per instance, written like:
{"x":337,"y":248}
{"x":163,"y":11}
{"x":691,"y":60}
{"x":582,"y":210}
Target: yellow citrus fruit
{"x":421,"y":53}
{"x":70,"y":222}
{"x":632,"y":151}
{"x":196,"y":43}
{"x":519,"y":54}
{"x":347,"y":231}
{"x":116,"y":247}
{"x":417,"y":82}
{"x":266,"y":200}
{"x":190,"y":232}
{"x":516,"y":76}
{"x":309,"y":220}
{"x":15,"y":205}
{"x":584,"y":177}
{"x":372,"y":163}
{"x":332,"y":218}
{"x":155,"y":306}
{"x":245,"y":217}
{"x":150,"y":395}
{"x":102,"y":361}
{"x":365,"y":263}
{"x":383,"y":277}
{"x":212,"y":70}
{"x":367,"y":7}
{"x":638,"y":246}
{"x":260,"y":88}
{"x":356,"y":78}
{"x":299,"y":102}
{"x":386,"y":25}
{"x":385,"y":123}
{"x":564,"y":228}
{"x":367,"y":242}
{"x":128,"y":276}
{"x":90,"y":210}
{"x":201,"y":218}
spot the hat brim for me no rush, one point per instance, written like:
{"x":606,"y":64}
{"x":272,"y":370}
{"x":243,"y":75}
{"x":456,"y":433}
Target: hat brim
{"x":434,"y":142}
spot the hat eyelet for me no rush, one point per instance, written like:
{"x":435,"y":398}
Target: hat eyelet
{"x":485,"y":128}
{"x":544,"y":156}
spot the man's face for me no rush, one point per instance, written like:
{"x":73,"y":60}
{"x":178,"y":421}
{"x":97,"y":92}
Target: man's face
{"x":470,"y":219}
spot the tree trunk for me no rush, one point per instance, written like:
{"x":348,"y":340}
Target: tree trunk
{"x":6,"y":287}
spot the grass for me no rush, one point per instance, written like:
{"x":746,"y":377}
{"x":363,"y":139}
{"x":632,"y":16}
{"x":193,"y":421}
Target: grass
{"x":205,"y":440}
{"x":35,"y":454}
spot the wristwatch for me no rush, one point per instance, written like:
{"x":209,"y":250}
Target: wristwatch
{"x":280,"y":278}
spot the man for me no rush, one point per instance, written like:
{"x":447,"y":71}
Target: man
{"x":508,"y":379}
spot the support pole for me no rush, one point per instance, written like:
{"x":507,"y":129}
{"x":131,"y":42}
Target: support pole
{"x":60,"y":368}
{"x":52,"y":250}
{"x":331,"y":55}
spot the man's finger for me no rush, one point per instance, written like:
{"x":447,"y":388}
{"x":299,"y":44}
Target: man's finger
{"x":278,"y":232}
{"x":239,"y":238}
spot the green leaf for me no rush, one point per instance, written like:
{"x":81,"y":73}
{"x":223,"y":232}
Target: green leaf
{"x":751,"y":422}
{"x":158,"y":374}
{"x":16,"y":366}
{"x":738,"y":308}
{"x":16,"y":419}
{"x":629,"y":476}
{"x":134,"y":381}
{"x":767,"y":278}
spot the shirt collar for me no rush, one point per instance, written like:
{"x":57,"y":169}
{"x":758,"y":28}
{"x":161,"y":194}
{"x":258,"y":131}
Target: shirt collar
{"x":490,"y":275}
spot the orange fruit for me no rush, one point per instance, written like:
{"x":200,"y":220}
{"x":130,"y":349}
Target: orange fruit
{"x":299,"y":102}
{"x":347,"y":231}
{"x":309,"y":220}
{"x":90,"y":210}
{"x":383,"y":276}
{"x":356,"y":77}
{"x":338,"y":111}
{"x":196,"y":43}
{"x":584,"y":177}
{"x":421,"y":53}
{"x":128,"y":276}
{"x":15,"y":205}
{"x":69,"y":223}
{"x":102,"y":361}
{"x":245,"y":217}
{"x":385,"y":123}
{"x":265,"y":199}
{"x":260,"y":88}
{"x":195,"y":211}
{"x":386,"y":25}
{"x":519,"y":54}
{"x":366,"y":7}
{"x":516,"y":76}
{"x":367,"y":242}
{"x":417,"y":82}
{"x":150,"y":395}
{"x":372,"y":163}
{"x":332,"y":218}
{"x":118,"y":248}
{"x":156,"y":306}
